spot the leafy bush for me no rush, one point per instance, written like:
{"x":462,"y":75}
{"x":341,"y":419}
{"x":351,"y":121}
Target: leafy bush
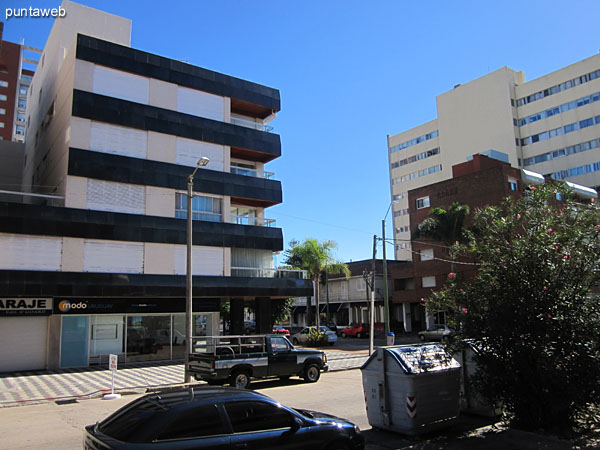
{"x":532,"y":305}
{"x":316,"y":338}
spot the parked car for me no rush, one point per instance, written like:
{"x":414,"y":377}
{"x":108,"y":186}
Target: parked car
{"x":300,"y":338}
{"x":218,"y":418}
{"x":249,"y":326}
{"x":437,"y":332}
{"x":357,"y":330}
{"x":278,"y":329}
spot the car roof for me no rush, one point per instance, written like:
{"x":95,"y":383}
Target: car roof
{"x":173,"y":397}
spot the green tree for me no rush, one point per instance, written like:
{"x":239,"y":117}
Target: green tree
{"x":315,"y":257}
{"x":445,"y":225}
{"x":531,"y":308}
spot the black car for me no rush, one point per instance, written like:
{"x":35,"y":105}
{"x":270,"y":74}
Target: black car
{"x":218,"y":418}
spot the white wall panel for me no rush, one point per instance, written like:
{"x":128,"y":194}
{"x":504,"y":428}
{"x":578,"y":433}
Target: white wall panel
{"x":115,"y":83}
{"x":28,"y":337}
{"x":198,"y":103}
{"x":205,"y":260}
{"x":113,"y":257}
{"x":30,"y":252}
{"x":117,"y":197}
{"x":118,"y":140}
{"x":190,"y":151}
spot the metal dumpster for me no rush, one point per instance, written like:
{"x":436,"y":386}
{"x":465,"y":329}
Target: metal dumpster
{"x":411,"y":389}
{"x":472,"y":401}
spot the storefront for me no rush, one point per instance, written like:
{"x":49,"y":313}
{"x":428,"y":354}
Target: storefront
{"x":137,"y":330}
{"x":24,"y":333}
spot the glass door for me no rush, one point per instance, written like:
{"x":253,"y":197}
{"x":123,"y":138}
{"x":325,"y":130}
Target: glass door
{"x":74,"y":341}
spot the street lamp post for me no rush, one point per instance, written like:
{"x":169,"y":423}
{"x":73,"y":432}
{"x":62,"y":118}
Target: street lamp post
{"x":189,"y":314}
{"x":386,"y":306}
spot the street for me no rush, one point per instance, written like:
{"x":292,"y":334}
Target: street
{"x":59,"y":425}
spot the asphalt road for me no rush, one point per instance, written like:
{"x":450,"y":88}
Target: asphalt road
{"x":60,"y":426}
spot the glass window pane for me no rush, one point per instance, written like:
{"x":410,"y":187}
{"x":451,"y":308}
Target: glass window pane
{"x":257,"y":416}
{"x":200,"y":421}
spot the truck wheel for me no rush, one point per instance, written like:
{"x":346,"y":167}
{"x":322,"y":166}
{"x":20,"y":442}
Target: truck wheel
{"x":312,"y":373}
{"x":343,"y":334}
{"x":358,"y":335}
{"x":240,"y":379}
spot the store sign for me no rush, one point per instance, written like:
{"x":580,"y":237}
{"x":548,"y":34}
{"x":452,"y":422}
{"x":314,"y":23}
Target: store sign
{"x":25,"y":306}
{"x":129,"y":306}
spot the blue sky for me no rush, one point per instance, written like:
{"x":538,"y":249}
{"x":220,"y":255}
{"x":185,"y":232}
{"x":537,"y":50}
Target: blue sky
{"x":349,"y":73}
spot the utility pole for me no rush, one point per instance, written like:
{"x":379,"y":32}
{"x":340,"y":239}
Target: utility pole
{"x":386,"y":306}
{"x":372,"y":315}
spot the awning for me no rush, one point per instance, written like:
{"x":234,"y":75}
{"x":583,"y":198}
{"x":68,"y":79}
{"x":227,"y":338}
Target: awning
{"x":298,"y":309}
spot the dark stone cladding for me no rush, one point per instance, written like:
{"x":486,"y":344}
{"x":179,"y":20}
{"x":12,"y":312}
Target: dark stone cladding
{"x":152,"y":118}
{"x":18,"y":218}
{"x":104,"y":166}
{"x":22,"y":283}
{"x":153,"y":66}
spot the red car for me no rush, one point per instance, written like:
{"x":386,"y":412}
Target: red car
{"x":277,"y":329}
{"x":356,"y":329}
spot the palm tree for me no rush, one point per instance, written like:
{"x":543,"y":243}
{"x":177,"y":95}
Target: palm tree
{"x":443,"y":225}
{"x":316,"y":258}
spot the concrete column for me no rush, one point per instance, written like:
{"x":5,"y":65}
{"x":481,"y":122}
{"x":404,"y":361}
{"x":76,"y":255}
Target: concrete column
{"x":429,"y":320}
{"x":406,"y":317}
{"x":236,"y":315}
{"x":263,"y":315}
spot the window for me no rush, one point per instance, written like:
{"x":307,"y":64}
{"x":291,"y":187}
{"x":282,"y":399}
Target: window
{"x":1,"y":124}
{"x":203,"y":208}
{"x":194,"y":422}
{"x":513,"y":185}
{"x":3,"y":83}
{"x":2,"y":111}
{"x":426,"y":254}
{"x":428,"y":281}
{"x":3,"y":97}
{"x":279,"y":344}
{"x":257,"y":416}
{"x":22,"y":90}
{"x":22,"y":104}
{"x":423,"y":202}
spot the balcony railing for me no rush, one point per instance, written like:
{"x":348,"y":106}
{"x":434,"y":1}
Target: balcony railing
{"x":251,"y":124}
{"x":250,"y":172}
{"x":256,"y":272}
{"x":256,"y":221}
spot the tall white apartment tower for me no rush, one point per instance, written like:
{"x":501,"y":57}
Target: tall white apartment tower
{"x":550,"y":125}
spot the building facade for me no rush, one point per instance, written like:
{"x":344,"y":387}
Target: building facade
{"x":550,"y":125}
{"x":94,"y":261}
{"x":477,"y":183}
{"x":349,"y":298}
{"x":17,"y":66}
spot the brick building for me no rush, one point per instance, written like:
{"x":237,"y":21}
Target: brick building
{"x":479,"y":182}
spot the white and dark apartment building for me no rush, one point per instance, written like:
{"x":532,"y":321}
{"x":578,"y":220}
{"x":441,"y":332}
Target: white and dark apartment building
{"x":93,"y":262}
{"x":549,"y":125}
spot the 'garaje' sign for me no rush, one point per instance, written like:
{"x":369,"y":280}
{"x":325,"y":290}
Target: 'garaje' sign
{"x":25,"y":306}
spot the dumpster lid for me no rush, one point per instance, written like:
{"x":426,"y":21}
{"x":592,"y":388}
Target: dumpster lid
{"x":419,"y":358}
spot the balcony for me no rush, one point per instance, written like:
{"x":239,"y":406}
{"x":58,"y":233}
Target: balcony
{"x":247,"y":220}
{"x":251,"y":172}
{"x":250,"y":124}
{"x":264,"y":272}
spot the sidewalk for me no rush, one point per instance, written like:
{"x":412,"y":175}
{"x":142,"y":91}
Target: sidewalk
{"x":34,"y":387}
